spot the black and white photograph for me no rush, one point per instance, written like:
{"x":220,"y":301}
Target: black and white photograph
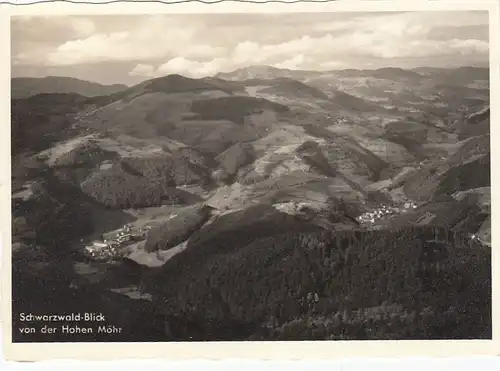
{"x":250,"y":177}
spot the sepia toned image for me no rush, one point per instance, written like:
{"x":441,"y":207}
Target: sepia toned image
{"x":251,"y":177}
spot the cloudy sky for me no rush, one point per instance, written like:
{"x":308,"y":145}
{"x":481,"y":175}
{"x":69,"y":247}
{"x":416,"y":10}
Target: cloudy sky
{"x":132,"y":48}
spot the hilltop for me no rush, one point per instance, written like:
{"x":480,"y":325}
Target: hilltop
{"x":25,"y":87}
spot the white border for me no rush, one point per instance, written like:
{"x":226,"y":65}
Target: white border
{"x":225,"y":350}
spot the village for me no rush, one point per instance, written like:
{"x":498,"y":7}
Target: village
{"x":384,"y":211}
{"x":113,"y":245}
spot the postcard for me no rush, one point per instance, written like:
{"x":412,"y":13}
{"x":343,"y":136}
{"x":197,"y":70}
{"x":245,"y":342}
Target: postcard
{"x":235,"y":180}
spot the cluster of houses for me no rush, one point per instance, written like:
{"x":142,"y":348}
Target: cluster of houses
{"x":112,"y":247}
{"x":339,"y":121}
{"x":380,"y":213}
{"x":342,"y":120}
{"x":371,"y":217}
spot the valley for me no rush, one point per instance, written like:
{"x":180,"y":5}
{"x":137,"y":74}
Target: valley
{"x":261,"y":204}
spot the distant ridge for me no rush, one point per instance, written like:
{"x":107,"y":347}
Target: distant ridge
{"x":25,"y":87}
{"x":270,"y":72}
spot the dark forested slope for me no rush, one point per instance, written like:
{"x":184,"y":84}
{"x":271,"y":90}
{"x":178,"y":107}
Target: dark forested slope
{"x":411,"y":283}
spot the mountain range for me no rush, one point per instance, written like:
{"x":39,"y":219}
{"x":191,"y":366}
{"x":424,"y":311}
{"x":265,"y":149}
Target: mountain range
{"x":281,"y":204}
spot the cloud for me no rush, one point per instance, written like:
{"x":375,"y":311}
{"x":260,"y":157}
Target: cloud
{"x":33,"y":37}
{"x":196,"y":45}
{"x":90,"y":50}
{"x":180,"y":65}
{"x":47,"y":28}
{"x":204,"y":51}
{"x":404,"y":35}
{"x":84,"y":27}
{"x":468,"y":46}
{"x":293,"y":63}
{"x":399,"y":23}
{"x":28,"y":56}
{"x":143,"y":70}
{"x":156,"y":37}
{"x":324,"y":53}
